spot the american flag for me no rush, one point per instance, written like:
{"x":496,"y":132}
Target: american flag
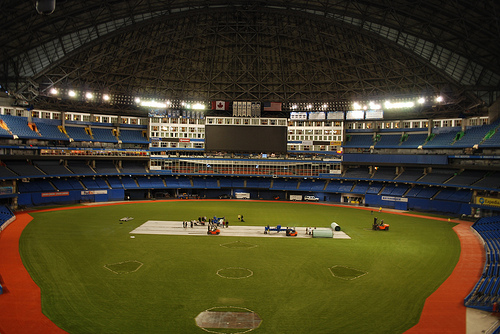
{"x":272,"y":106}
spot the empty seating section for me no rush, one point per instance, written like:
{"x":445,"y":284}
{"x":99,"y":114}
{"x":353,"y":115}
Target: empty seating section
{"x":260,"y":183}
{"x":77,"y":133}
{"x":359,"y":141}
{"x":201,"y":183}
{"x":115,"y":182}
{"x":35,"y":185}
{"x":5,"y":214}
{"x":129,"y":183}
{"x":441,"y":140}
{"x":360,"y":173}
{"x":19,"y":126}
{"x":414,"y":140}
{"x":231,"y":183}
{"x":133,"y":167}
{"x":474,"y":135}
{"x":4,"y":133}
{"x":80,"y":167}
{"x":487,"y":289}
{"x":67,"y":184}
{"x":49,"y":130}
{"x":388,"y":141}
{"x":104,"y":135}
{"x":410,"y":174}
{"x":374,"y":188}
{"x":312,"y":185}
{"x":466,"y":178}
{"x":449,"y":194}
{"x":156,"y":182}
{"x":283,"y":184}
{"x":105,"y":168}
{"x":178,"y":183}
{"x":384,"y":173}
{"x":360,"y":188}
{"x":94,"y":184}
{"x":491,"y":180}
{"x":52,"y":167}
{"x":132,"y":137}
{"x":6,"y":172}
{"x":24,"y":168}
{"x":438,"y":176}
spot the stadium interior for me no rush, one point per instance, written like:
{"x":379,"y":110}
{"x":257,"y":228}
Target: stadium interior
{"x":392,"y":105}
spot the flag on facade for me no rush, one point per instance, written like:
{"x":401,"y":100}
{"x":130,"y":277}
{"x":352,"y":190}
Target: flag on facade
{"x":272,"y":106}
{"x":220,"y":105}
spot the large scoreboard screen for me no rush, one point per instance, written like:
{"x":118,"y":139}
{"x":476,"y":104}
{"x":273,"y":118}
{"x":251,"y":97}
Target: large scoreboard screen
{"x":245,"y":138}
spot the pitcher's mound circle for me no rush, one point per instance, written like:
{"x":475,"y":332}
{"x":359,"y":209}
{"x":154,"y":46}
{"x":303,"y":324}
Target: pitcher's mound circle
{"x":234,"y":273}
{"x":228,"y":319}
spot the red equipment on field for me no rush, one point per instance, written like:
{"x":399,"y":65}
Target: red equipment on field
{"x":379,"y":226}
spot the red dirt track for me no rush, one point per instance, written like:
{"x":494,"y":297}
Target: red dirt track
{"x":21,"y":311}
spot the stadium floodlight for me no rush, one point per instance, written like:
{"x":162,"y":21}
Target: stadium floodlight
{"x":198,"y":106}
{"x":439,"y":99}
{"x":356,"y":106}
{"x":153,"y":104}
{"x":374,"y":105}
{"x":398,"y":105}
{"x":54,"y":91}
{"x":72,"y":93}
{"x":325,"y":106}
{"x":89,"y":96}
{"x":294,"y":106}
{"x":309,"y":106}
{"x":137,"y":100}
{"x":421,"y":100}
{"x":106,"y":97}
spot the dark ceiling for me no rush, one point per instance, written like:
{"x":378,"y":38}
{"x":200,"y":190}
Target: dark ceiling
{"x":284,"y":51}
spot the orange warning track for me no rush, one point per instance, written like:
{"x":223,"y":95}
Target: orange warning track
{"x":444,"y":312}
{"x":20,"y":307}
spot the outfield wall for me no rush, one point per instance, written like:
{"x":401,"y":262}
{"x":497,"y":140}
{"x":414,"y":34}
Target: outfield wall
{"x":69,"y":197}
{"x":418,"y":204}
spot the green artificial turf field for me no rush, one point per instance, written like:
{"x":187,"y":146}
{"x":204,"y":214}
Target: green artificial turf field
{"x":94,"y":278}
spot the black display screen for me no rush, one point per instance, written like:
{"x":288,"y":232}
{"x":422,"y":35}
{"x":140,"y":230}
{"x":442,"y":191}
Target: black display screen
{"x":246,"y":138}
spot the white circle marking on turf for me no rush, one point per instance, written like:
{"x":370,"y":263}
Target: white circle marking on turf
{"x":218,"y":274}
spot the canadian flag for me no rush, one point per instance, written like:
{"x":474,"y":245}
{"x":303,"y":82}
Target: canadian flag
{"x":220,"y":105}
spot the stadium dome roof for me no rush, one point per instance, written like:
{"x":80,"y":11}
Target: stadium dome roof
{"x":284,"y":51}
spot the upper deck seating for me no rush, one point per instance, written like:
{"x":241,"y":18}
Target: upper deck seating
{"x":442,"y":140}
{"x":104,"y":135}
{"x":19,"y":126}
{"x":77,"y":133}
{"x":49,"y":129}
{"x":132,"y":137}
{"x":414,"y":140}
{"x":359,"y":141}
{"x":388,"y":141}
